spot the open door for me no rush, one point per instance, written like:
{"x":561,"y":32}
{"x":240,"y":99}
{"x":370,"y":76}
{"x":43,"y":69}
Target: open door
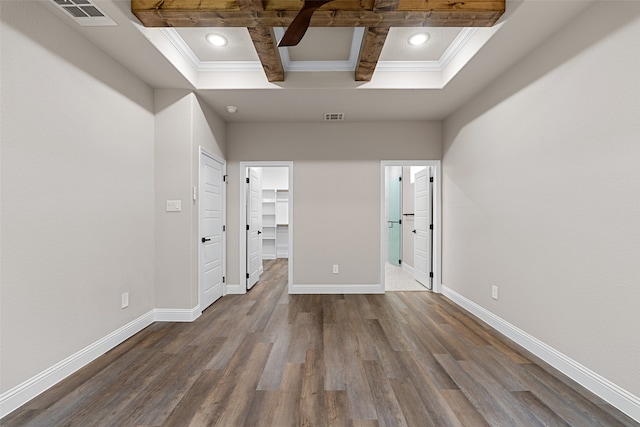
{"x":211,"y":214}
{"x":254,"y":227}
{"x":422,"y":231}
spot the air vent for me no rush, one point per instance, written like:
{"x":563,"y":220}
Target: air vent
{"x":84,"y":12}
{"x":333,"y":117}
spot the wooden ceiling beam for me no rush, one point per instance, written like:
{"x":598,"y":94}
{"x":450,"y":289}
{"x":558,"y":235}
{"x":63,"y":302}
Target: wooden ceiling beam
{"x":383,"y":5}
{"x":171,"y":18}
{"x":434,"y":13}
{"x":267,"y":49}
{"x":250,"y":5}
{"x":372,"y":43}
{"x":370,"y":50}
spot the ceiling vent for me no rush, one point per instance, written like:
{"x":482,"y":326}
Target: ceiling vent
{"x":85,"y":13}
{"x":333,"y":117}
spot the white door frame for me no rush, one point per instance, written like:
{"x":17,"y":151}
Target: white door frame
{"x":204,"y":152}
{"x":243,"y":217}
{"x":437,"y":217}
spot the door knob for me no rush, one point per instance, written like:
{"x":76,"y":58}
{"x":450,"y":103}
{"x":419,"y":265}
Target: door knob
{"x":204,"y":239}
{"x":414,"y":231}
{"x":259,"y":232}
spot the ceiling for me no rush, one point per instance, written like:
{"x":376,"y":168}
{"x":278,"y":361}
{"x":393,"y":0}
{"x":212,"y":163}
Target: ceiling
{"x":427,"y":82}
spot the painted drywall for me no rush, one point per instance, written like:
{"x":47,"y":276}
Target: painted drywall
{"x":336,"y":189}
{"x":77,"y":217}
{"x":182,"y":125}
{"x":542,"y":194}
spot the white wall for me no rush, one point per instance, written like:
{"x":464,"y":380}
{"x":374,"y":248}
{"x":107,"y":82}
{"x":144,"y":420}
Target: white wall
{"x":275,"y":178}
{"x":77,"y":218}
{"x":542,"y":194}
{"x":182,"y":125}
{"x":336,"y":187}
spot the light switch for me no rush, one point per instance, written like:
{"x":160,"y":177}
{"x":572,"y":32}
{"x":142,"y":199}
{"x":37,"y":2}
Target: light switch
{"x":174,"y":205}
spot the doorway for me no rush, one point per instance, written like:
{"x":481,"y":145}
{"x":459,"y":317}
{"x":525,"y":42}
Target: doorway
{"x":266,"y":198}
{"x":410,"y":225}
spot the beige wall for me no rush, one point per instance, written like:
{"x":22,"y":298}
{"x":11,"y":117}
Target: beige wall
{"x":182,"y":125}
{"x":77,"y":193}
{"x":542,"y":194}
{"x":336,"y":187}
{"x":89,"y":156}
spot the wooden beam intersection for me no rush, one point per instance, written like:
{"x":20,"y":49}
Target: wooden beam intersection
{"x":260,"y":16}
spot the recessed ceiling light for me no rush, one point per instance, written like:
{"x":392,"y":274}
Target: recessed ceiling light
{"x":418,"y":39}
{"x":216,"y":39}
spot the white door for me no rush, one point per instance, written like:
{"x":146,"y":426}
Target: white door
{"x":254,"y":229}
{"x":422,"y":238}
{"x":211,"y":264}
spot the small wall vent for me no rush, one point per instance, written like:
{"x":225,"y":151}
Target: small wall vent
{"x":85,"y":13}
{"x":333,"y":117}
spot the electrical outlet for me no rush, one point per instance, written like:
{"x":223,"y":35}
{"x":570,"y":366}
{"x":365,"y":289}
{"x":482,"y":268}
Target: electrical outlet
{"x":494,"y":292}
{"x":335,"y":268}
{"x":125,"y":300}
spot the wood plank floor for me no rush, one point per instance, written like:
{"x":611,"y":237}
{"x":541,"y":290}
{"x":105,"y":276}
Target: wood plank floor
{"x":272,"y":359}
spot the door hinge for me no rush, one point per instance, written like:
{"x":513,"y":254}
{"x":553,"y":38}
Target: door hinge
{"x":223,"y":279}
{"x":247,"y":275}
{"x":224,"y":228}
{"x":247,"y":227}
{"x":431,"y":274}
{"x":399,"y":222}
{"x":399,"y":178}
{"x":400,"y":261}
{"x":224,"y":178}
{"x":247,"y":180}
{"x":430,"y":179}
{"x":430,"y":226}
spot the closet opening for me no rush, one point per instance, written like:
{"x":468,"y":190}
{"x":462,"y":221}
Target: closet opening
{"x":266,"y":216}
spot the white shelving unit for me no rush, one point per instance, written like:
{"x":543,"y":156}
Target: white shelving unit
{"x":269,"y":223}
{"x":275,"y":223}
{"x":275,"y":212}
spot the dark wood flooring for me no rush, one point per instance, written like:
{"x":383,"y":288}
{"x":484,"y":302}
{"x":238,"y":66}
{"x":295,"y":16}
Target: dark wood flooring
{"x":272,"y":359}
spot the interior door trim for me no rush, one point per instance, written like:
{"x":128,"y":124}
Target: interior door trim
{"x":437,"y":217}
{"x":242,"y":255}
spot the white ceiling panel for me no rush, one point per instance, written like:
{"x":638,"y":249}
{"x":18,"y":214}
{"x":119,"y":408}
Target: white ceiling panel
{"x":397,"y":47}
{"x":323,"y":44}
{"x":239,"y":46}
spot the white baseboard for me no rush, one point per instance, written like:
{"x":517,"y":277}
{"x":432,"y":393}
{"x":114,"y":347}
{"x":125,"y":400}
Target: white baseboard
{"x":22,"y":393}
{"x":233,"y":289}
{"x":177,"y":314}
{"x":605,"y":389}
{"x":337,"y":289}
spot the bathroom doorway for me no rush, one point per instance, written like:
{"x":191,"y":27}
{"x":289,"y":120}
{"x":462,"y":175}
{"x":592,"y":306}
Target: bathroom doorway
{"x":409,"y":225}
